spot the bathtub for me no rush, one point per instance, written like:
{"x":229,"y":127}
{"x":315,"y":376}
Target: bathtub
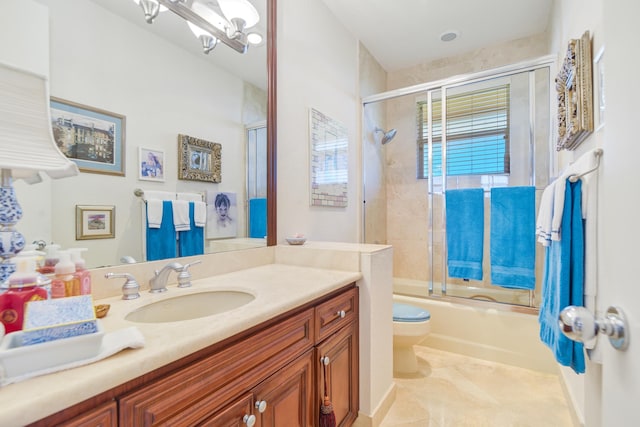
{"x":483,"y":331}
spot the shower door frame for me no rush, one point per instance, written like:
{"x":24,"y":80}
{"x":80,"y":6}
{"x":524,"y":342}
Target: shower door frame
{"x":449,"y":83}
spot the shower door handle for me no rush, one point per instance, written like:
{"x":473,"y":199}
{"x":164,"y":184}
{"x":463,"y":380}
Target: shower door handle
{"x":580,"y":325}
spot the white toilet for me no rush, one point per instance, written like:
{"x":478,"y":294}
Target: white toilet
{"x":411,"y":325}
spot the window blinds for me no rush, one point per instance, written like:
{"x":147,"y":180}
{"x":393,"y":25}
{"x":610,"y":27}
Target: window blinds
{"x":477,"y":133}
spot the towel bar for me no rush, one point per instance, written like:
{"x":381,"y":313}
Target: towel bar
{"x":598,"y":153}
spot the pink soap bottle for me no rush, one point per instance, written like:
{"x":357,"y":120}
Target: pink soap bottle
{"x":23,"y":287}
{"x":64,"y":283}
{"x":82,"y":274}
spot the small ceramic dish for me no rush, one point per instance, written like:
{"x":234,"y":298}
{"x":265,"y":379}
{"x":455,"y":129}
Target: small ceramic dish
{"x":296,"y":240}
{"x":101,"y":310}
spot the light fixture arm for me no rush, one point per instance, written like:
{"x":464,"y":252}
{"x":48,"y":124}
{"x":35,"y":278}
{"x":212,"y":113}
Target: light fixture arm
{"x":184,"y":11}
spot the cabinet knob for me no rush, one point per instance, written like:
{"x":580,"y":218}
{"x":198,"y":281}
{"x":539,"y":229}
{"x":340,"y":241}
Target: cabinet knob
{"x":261,"y":405}
{"x":249,"y":420}
{"x":341,"y":313}
{"x":325,"y":360}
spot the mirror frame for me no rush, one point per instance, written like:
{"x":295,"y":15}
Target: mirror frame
{"x":272,"y":115}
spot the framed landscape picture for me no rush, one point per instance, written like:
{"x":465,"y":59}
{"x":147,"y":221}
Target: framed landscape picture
{"x":93,"y":138}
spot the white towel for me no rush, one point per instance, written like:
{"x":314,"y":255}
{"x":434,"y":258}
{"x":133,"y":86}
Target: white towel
{"x":159,"y":195}
{"x":191,"y":197}
{"x":112,"y":343}
{"x":560,"y":185}
{"x":586,"y":162}
{"x":199,"y":213}
{"x":545,"y":215}
{"x":181,"y":220}
{"x":154,"y":213}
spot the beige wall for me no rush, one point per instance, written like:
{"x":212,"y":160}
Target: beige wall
{"x":373,"y":80}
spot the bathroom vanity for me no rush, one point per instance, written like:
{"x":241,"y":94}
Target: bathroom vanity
{"x":268,"y":373}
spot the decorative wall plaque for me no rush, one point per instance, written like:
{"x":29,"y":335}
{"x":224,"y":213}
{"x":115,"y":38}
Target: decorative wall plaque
{"x":574,"y":89}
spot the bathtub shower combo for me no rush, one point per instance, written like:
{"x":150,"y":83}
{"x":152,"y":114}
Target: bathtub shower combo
{"x":463,"y":149}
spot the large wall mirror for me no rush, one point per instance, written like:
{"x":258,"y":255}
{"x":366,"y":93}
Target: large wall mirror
{"x":104,"y":56}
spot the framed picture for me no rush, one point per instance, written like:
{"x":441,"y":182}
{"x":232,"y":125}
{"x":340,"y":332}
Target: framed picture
{"x":222,"y":215}
{"x":95,"y":222}
{"x":199,"y":160}
{"x":574,"y":92}
{"x":598,"y":78}
{"x":150,"y":164}
{"x":92,"y":138}
{"x":329,"y":162}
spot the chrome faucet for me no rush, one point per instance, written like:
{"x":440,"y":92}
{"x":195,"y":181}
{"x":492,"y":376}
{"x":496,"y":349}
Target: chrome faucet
{"x":159,"y":281}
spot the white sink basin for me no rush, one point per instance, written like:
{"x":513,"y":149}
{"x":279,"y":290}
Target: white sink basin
{"x":192,"y":306}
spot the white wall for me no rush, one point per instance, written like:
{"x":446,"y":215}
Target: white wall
{"x":570,"y":19}
{"x":317,"y":68}
{"x":101,"y":60}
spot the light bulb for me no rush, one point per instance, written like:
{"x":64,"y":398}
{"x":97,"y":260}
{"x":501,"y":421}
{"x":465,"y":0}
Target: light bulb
{"x":240,"y":9}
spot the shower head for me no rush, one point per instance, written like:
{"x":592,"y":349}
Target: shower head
{"x":386,"y":136}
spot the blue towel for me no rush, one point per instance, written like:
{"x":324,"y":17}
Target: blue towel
{"x":161,"y":242}
{"x":257,"y":218}
{"x":513,"y":237}
{"x":465,"y":232}
{"x":191,"y":242}
{"x":563,"y":281}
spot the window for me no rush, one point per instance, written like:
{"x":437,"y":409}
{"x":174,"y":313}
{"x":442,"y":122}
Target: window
{"x":477,"y":133}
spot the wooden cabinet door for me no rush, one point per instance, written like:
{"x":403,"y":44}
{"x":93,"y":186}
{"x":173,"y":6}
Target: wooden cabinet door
{"x":233,"y":415}
{"x":288,"y":395}
{"x":342,"y":374}
{"x":105,"y":415}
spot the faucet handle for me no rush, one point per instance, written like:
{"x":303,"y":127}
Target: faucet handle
{"x":184,"y":277}
{"x":130,"y":289}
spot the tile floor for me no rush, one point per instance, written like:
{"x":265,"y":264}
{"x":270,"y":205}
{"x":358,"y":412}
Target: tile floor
{"x":455,"y":390}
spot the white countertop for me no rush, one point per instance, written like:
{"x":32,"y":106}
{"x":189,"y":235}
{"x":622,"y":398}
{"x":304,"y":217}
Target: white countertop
{"x":277,"y":288}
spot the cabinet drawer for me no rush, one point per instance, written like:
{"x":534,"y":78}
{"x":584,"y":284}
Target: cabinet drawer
{"x":233,"y":415}
{"x":196,"y":392}
{"x":335,"y":313}
{"x":105,"y":415}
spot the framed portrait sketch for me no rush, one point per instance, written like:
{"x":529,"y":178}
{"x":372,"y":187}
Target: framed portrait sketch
{"x":150,"y":164}
{"x":222,"y":215}
{"x":199,"y":160}
{"x":91,"y":137}
{"x":95,"y":222}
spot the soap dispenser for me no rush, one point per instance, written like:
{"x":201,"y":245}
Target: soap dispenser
{"x":50,"y":259}
{"x":25,"y":285}
{"x":65,"y":283}
{"x":82,"y":274}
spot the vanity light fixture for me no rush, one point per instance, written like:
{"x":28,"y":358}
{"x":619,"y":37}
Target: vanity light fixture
{"x":211,"y":21}
{"x":151,"y":9}
{"x":27,"y":147}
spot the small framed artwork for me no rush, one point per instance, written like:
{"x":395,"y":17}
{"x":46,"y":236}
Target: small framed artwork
{"x":222,"y":219}
{"x":150,"y":164}
{"x":329,"y":161}
{"x":91,"y":137}
{"x":95,"y":222}
{"x":199,"y":160}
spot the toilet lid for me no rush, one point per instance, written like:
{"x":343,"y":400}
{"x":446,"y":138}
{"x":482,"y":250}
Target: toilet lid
{"x":409,"y":313}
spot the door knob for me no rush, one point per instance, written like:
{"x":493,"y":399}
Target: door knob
{"x":579,"y":324}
